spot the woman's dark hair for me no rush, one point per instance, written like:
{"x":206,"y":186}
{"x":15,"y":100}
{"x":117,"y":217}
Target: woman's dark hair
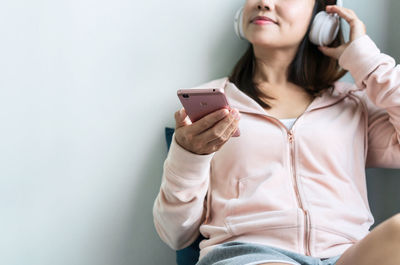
{"x":310,"y":69}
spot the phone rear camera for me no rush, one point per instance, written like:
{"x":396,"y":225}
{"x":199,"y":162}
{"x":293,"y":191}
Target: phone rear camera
{"x":185,"y":95}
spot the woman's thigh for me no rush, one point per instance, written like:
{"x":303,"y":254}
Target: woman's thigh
{"x":380,"y":246}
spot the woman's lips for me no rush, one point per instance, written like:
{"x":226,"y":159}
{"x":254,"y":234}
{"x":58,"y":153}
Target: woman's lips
{"x":262,"y":22}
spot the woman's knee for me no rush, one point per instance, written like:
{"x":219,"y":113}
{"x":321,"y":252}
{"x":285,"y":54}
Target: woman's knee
{"x":393,"y":227}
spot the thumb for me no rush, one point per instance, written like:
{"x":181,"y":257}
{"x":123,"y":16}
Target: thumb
{"x":181,"y":118}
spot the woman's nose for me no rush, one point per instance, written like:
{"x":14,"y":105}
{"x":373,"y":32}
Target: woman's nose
{"x":264,"y":5}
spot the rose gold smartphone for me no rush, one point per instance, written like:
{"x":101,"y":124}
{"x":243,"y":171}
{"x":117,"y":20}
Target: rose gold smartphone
{"x":201,"y":102}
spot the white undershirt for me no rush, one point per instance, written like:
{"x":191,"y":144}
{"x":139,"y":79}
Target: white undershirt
{"x":288,"y":122}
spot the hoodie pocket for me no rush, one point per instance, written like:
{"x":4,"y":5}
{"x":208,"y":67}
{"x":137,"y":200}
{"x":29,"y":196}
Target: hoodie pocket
{"x":252,"y":222}
{"x":264,"y":202}
{"x":263,"y":193}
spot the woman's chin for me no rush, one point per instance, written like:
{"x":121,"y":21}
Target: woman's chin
{"x":264,"y":42}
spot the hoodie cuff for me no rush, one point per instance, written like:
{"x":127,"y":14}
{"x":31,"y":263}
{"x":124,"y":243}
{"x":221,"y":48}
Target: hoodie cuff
{"x":187,"y":165}
{"x":360,"y":58}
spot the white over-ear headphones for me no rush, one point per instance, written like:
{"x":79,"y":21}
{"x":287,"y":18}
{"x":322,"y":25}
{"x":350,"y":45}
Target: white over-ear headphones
{"x":324,"y":28}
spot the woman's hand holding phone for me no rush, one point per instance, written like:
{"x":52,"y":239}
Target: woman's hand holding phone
{"x":208,"y":134}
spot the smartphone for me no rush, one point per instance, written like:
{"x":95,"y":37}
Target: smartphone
{"x":201,"y":102}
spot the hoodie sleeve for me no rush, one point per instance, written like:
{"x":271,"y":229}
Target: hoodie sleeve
{"x":178,"y":209}
{"x":377,"y":75}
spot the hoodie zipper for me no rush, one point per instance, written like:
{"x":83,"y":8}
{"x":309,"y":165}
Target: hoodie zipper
{"x":296,"y":188}
{"x":307,"y":226}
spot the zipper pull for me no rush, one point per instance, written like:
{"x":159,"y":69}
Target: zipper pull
{"x":290,"y":135}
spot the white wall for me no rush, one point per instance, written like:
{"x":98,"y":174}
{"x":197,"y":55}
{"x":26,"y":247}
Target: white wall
{"x":86,"y":89}
{"x":374,"y":14}
{"x":394,"y":33}
{"x":383,"y":184}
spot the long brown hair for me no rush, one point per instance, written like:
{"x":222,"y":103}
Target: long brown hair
{"x":310,"y":69}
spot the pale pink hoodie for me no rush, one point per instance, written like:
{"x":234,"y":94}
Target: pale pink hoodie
{"x":302,"y":189}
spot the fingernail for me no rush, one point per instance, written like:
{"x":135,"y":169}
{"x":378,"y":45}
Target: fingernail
{"x":224,"y":112}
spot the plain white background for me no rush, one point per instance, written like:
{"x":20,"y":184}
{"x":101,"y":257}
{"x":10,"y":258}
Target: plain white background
{"x":86,"y":89}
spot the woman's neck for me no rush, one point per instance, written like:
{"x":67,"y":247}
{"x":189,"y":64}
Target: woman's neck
{"x":272,"y":66}
{"x":272,"y":71}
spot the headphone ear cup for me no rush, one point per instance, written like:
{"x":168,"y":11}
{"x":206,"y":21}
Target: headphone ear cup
{"x":330,"y":30}
{"x":324,"y":29}
{"x":238,"y":24}
{"x":315,"y":29}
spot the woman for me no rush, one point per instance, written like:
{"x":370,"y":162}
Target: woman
{"x":291,"y":189}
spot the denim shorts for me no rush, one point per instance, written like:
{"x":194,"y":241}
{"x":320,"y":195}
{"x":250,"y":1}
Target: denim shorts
{"x":241,"y":253}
